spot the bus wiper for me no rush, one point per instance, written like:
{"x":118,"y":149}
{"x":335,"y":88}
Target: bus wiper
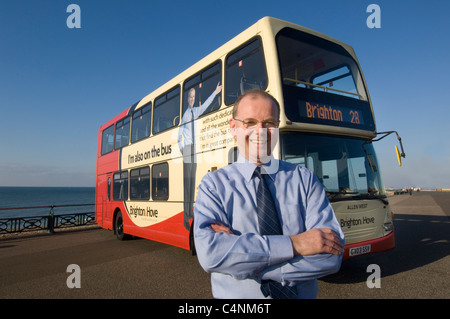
{"x":324,"y":88}
{"x":373,"y":196}
{"x":340,"y":196}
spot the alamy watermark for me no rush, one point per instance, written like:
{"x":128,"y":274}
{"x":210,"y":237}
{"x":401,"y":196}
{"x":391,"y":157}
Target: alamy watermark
{"x":374,"y":19}
{"x":374,"y":279}
{"x":74,"y":19}
{"x":74,"y":279}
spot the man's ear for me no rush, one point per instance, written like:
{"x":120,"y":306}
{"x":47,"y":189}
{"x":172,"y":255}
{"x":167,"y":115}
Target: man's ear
{"x":233,"y":127}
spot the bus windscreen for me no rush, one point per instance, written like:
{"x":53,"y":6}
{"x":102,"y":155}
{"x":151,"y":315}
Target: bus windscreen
{"x":322,"y":83}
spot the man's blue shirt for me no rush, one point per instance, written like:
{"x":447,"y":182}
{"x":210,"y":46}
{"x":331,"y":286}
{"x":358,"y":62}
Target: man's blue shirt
{"x":239,"y":262}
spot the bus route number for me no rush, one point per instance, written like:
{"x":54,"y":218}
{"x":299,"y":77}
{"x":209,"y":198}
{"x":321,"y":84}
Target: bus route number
{"x":355,"y":117}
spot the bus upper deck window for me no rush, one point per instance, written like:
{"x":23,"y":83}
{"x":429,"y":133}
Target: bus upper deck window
{"x":122,"y":133}
{"x":245,"y":69}
{"x":108,"y":140}
{"x":141,"y":123}
{"x":201,"y":86}
{"x":166,"y":110}
{"x":311,"y":62}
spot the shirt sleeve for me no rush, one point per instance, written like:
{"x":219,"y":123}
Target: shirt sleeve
{"x":319,"y":214}
{"x":202,"y":108}
{"x":241,"y":256}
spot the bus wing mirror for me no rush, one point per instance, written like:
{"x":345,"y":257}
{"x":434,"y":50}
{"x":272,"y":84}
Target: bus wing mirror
{"x":399,"y":157}
{"x":399,"y":154}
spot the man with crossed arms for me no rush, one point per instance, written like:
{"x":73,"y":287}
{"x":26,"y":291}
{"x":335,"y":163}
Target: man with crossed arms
{"x":243,"y":262}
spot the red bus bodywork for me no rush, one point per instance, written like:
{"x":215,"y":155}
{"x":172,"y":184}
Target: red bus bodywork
{"x":170,"y":231}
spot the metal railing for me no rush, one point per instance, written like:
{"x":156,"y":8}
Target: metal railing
{"x":48,"y":222}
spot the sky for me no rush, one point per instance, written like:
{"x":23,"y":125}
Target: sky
{"x":59,"y":84}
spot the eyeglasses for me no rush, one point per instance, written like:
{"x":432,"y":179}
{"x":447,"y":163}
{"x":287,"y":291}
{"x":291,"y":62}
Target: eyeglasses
{"x":251,"y":123}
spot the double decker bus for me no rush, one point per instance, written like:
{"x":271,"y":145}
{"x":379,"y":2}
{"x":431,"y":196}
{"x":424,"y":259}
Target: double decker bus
{"x":152,"y":156}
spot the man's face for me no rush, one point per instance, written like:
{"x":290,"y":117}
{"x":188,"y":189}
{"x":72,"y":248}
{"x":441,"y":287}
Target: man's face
{"x":255,"y":144}
{"x":191,"y":98}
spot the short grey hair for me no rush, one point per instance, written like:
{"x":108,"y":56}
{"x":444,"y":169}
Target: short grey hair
{"x":255,"y":93}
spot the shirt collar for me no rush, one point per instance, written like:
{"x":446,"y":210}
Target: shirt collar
{"x":247,"y":168}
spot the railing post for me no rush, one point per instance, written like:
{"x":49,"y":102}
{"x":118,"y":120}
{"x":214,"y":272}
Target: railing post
{"x":50,"y":223}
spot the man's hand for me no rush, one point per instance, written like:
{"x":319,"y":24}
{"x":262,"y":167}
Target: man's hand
{"x":316,"y":241}
{"x":221,"y":228}
{"x":218,"y":88}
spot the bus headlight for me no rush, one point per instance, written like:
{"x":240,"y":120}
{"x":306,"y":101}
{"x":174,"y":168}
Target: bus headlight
{"x":388,"y":224}
{"x":388,"y":227}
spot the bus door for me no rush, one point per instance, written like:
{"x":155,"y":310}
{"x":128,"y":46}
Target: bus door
{"x":106,"y":202}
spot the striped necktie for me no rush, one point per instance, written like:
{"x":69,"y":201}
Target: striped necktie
{"x":269,"y":224}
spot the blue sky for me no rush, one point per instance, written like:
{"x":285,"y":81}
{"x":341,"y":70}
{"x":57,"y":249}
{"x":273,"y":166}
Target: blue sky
{"x":58,"y":85}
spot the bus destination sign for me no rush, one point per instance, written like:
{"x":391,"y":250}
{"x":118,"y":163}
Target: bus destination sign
{"x":334,"y":113}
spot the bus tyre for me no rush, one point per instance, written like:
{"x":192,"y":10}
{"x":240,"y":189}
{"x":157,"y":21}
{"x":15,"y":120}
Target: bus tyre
{"x":118,"y":226}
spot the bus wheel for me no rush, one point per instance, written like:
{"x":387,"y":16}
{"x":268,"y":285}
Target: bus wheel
{"x":118,"y":226}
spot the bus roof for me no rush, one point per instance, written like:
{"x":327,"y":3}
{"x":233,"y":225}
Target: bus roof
{"x":267,"y":25}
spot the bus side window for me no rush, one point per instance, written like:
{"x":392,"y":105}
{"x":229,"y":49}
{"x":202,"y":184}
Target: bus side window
{"x":107,"y":140}
{"x":140,"y":183}
{"x":201,"y":86}
{"x":122,"y":133}
{"x":232,"y":155}
{"x":166,"y":111}
{"x":245,"y":70}
{"x":120,"y":186}
{"x":109,"y":189}
{"x":160,"y":181}
{"x":140,"y":128}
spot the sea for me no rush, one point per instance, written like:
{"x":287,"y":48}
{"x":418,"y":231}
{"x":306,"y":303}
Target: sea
{"x":13,"y":197}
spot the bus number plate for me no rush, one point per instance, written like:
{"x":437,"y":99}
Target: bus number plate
{"x":359,"y":250}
